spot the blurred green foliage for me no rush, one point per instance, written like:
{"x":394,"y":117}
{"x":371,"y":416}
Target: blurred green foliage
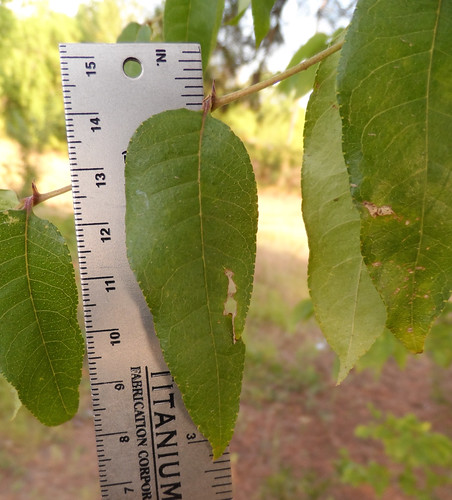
{"x":31,"y":107}
{"x":285,"y":485}
{"x":273,"y":135}
{"x":301,"y":83}
{"x":100,"y":21}
{"x":135,"y":32}
{"x":438,"y":346}
{"x":420,"y":460}
{"x":30,"y":99}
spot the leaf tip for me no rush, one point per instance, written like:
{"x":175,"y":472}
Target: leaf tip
{"x":217,"y":451}
{"x":344,"y":370}
{"x":412,"y":342}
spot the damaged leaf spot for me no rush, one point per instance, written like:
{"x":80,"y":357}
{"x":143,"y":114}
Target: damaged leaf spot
{"x":11,"y":219}
{"x":230,"y":305}
{"x":375,"y":211}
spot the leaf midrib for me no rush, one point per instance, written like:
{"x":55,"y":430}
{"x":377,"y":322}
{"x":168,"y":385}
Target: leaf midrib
{"x":204,"y":267}
{"x":35,"y":311}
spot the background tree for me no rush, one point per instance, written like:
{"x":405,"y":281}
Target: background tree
{"x":30,"y":81}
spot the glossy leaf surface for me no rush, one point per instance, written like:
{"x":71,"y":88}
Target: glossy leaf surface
{"x":41,"y":347}
{"x":396,"y":103}
{"x":191,"y":222}
{"x":348,"y":308}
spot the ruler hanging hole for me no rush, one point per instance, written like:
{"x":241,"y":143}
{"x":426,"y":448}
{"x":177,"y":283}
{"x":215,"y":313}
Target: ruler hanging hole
{"x":132,"y":67}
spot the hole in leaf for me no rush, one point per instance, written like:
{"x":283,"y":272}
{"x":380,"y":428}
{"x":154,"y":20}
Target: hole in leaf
{"x":230,"y":305}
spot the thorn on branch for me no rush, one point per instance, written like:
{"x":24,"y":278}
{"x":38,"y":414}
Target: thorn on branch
{"x":208,"y":103}
{"x":29,"y":202}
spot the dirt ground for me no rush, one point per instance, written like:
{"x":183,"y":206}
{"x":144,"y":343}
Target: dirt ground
{"x":293,"y":420}
{"x":304,"y":434}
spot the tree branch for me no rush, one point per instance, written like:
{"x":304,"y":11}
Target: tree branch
{"x":31,"y":201}
{"x":218,"y":102}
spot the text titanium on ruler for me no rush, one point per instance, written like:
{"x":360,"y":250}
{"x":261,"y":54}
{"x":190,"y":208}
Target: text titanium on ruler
{"x":147,"y":445}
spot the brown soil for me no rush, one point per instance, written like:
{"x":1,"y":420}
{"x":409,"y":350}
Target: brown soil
{"x":305,"y":432}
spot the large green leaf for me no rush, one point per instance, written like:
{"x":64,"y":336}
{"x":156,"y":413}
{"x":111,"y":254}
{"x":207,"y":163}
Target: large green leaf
{"x":395,"y":84}
{"x":191,"y":222}
{"x":41,"y":347}
{"x":301,"y":83}
{"x":193,"y":21}
{"x":348,"y":308}
{"x":261,"y":18}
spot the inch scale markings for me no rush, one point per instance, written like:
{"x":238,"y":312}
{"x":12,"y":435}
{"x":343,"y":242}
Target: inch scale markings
{"x":147,"y":445}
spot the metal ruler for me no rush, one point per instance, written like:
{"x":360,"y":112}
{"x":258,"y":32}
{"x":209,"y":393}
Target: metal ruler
{"x":147,"y":445}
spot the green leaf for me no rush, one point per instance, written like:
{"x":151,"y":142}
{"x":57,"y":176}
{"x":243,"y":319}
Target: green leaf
{"x":261,"y":18}
{"x":193,"y":21}
{"x":347,"y":306}
{"x":396,"y":104}
{"x":41,"y":347}
{"x":191,"y":222}
{"x":144,"y":34}
{"x":301,"y":83}
{"x":243,"y":5}
{"x":375,"y":475}
{"x":135,"y":32}
{"x":241,"y":9}
{"x":8,"y":199}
